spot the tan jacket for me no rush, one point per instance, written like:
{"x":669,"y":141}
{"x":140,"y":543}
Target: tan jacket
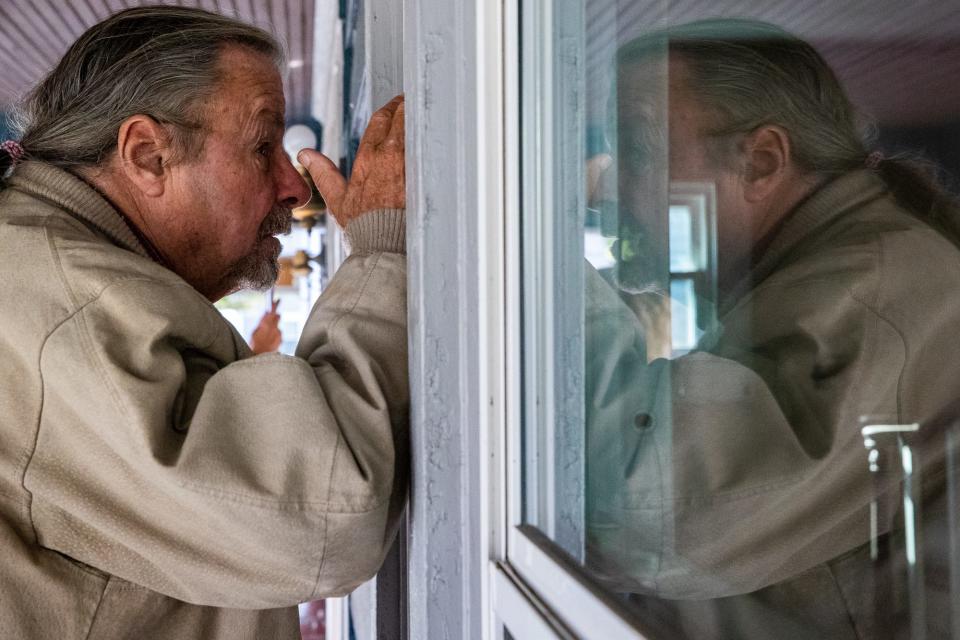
{"x":748,"y":472}
{"x":156,"y":479}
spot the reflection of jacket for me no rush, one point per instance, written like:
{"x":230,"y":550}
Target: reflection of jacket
{"x":150,"y":464}
{"x":747,"y":471}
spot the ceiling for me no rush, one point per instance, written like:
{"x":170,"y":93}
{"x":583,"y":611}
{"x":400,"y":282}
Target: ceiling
{"x":900,"y":61}
{"x":34,"y":34}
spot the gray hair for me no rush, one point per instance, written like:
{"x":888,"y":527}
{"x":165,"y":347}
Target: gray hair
{"x":749,"y":74}
{"x":159,"y":61}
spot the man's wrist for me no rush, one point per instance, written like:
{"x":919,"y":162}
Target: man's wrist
{"x":379,"y":230}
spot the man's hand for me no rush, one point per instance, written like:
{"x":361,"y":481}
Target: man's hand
{"x":267,"y":337}
{"x":654,"y":310}
{"x":378,"y":179}
{"x":596,"y":169}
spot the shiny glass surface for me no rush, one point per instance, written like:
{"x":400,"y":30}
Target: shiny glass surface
{"x":741,"y":284}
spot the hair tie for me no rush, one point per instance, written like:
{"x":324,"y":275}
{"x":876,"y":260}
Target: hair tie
{"x":14,"y":149}
{"x":873,"y":160}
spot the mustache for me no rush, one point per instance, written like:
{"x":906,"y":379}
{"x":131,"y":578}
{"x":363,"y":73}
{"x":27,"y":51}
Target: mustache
{"x":278,"y":222}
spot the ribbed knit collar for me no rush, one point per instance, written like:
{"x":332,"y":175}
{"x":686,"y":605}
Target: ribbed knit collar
{"x":77,"y":198}
{"x":828,"y":204}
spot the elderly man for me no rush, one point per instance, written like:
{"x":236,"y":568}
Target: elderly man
{"x":730,"y":490}
{"x":157,"y":479}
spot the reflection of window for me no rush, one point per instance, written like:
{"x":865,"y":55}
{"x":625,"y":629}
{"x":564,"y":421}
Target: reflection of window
{"x":597,"y":249}
{"x":682,"y":245}
{"x":683,"y":315}
{"x":692,"y":225}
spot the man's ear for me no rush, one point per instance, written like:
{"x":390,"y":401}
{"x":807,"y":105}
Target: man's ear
{"x":143,"y":148}
{"x":767,"y":153}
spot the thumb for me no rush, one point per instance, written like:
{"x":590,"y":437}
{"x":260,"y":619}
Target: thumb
{"x":596,"y":166}
{"x":330,"y":182}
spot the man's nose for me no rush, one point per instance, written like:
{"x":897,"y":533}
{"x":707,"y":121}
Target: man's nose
{"x":292,"y":189}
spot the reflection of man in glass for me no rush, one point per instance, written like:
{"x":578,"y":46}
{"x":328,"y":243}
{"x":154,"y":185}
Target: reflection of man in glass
{"x":743,"y":495}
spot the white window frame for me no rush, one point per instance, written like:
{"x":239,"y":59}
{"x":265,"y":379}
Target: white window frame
{"x":473,"y":570}
{"x":559,"y":592}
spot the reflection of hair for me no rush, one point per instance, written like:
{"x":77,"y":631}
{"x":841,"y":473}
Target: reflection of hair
{"x":750,"y":73}
{"x":159,"y":61}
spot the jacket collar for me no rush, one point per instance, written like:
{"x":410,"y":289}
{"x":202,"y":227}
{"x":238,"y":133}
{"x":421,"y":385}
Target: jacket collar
{"x":826,"y":205}
{"x":77,"y":198}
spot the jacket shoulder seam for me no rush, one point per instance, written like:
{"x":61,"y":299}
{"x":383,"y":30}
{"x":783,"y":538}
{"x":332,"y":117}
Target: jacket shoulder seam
{"x":96,"y":363}
{"x":88,"y":343}
{"x":875,"y":309}
{"x":58,"y":266}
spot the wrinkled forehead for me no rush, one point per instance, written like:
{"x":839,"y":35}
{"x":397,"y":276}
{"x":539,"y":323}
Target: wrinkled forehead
{"x":249,"y":91}
{"x":653,"y":83}
{"x":655,"y":92}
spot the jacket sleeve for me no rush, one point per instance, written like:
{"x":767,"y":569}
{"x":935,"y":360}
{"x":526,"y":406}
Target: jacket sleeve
{"x":721,"y":472}
{"x":167,"y":457}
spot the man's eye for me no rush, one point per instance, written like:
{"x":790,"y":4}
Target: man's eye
{"x":264,"y":149}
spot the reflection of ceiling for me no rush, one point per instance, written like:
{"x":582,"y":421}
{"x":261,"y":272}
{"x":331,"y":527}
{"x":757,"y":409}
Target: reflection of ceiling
{"x":904,"y":83}
{"x":34,"y":34}
{"x":899,"y":60}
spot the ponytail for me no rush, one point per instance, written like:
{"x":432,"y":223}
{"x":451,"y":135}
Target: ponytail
{"x":916,"y":185}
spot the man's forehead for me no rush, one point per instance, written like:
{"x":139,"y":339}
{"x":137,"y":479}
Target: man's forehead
{"x":253,"y":115}
{"x":654,"y":79}
{"x":270,"y":117}
{"x":251,"y":83}
{"x":656,"y":90}
{"x":649,"y":75}
{"x":258,"y":114}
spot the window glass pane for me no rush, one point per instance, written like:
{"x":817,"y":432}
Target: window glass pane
{"x":741,"y":285}
{"x":681,"y":241}
{"x":683,"y":315}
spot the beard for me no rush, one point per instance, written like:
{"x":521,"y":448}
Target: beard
{"x":260,"y":268}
